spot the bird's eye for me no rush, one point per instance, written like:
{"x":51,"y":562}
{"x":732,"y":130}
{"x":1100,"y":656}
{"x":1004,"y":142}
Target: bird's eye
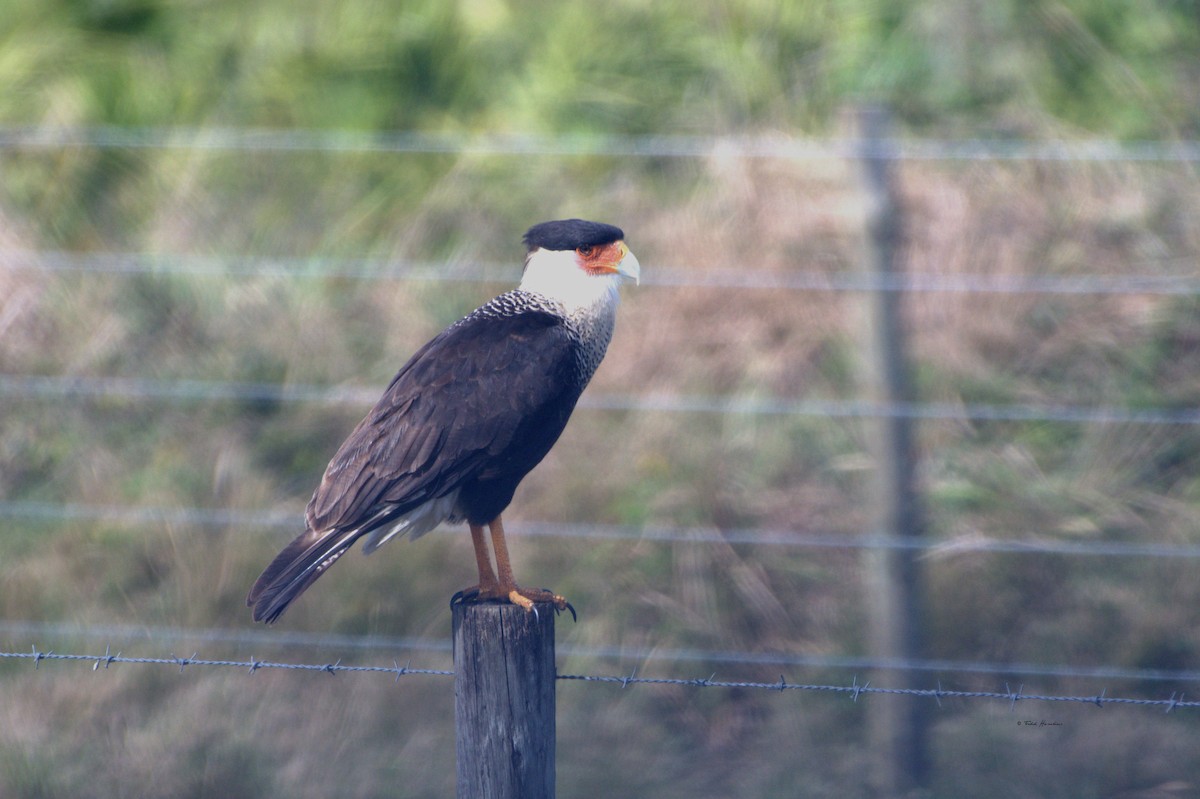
{"x":585,"y":250}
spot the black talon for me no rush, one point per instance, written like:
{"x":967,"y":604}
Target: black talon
{"x":558,"y":610}
{"x":464,"y":596}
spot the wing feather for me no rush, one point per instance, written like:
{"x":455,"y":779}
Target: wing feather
{"x":450,"y":415}
{"x":457,"y":403}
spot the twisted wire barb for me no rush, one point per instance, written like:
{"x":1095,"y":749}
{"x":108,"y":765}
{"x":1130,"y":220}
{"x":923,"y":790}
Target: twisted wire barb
{"x":252,"y":665}
{"x":854,"y":690}
{"x":151,"y":635}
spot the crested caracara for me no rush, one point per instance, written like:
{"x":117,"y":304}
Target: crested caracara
{"x":463,"y":422}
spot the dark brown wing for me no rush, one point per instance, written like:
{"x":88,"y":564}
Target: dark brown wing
{"x":450,"y":414}
{"x":453,"y":407}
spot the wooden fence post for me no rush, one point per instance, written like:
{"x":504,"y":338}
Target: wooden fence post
{"x":898,"y":724}
{"x":504,"y":701}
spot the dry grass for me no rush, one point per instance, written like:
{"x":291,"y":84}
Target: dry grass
{"x":193,"y":734}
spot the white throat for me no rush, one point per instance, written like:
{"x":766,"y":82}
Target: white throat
{"x":556,"y":275}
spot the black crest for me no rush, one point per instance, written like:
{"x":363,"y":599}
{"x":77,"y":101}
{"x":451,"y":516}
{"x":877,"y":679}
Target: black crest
{"x":571,"y":234}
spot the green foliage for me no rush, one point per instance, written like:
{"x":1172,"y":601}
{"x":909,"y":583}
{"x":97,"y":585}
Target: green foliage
{"x":626,"y":67}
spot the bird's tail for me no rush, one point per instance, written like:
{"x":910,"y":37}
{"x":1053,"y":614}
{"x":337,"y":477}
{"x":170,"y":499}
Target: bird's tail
{"x":296,"y":568}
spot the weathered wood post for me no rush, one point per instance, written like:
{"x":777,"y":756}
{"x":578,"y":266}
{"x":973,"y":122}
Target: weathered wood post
{"x":898,"y":723}
{"x":504,"y":701}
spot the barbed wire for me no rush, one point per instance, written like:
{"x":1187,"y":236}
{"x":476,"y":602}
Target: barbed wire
{"x":939,"y":547}
{"x":252,"y":665}
{"x":855,"y":690}
{"x":69,"y":387}
{"x":283,"y":639}
{"x":915,"y":281}
{"x":15,"y":137}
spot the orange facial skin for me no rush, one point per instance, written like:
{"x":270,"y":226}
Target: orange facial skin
{"x":602,"y":259}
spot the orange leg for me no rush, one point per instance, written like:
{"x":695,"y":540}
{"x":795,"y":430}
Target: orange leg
{"x":487,"y":578}
{"x":500,"y":585}
{"x":525,"y":597}
{"x":487,"y":587}
{"x":500,"y":547}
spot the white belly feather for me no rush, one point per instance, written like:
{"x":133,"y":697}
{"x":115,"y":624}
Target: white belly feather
{"x":415,"y":523}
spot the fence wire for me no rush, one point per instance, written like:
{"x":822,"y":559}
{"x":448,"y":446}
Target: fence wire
{"x":145,"y":389}
{"x":282,"y":639}
{"x":934,"y":547}
{"x":1183,"y":283}
{"x":854,"y":690}
{"x":15,"y":138}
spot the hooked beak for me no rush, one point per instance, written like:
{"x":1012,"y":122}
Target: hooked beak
{"x":628,"y":267}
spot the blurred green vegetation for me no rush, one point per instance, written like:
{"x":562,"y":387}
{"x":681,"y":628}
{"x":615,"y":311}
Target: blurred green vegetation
{"x":1003,"y":69}
{"x":999,"y":68}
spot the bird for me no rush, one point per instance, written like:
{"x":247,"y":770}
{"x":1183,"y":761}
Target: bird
{"x":464,"y":421}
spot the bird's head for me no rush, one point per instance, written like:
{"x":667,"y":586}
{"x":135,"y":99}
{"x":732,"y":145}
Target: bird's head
{"x":577,"y":262}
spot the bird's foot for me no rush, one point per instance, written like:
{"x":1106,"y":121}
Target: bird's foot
{"x":526,"y":597}
{"x":522,"y":597}
{"x":475,"y":593}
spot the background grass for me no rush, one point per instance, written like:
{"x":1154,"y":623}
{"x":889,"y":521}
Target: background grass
{"x":947,"y":69}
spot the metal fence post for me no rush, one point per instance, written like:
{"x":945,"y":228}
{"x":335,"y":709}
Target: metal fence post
{"x":504,"y":682}
{"x":897,"y":723}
